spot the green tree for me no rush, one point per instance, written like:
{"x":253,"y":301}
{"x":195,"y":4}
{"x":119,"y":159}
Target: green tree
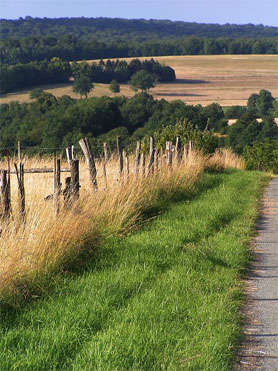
{"x":82,"y":85}
{"x":264,"y":102}
{"x":142,"y":80}
{"x":115,"y":86}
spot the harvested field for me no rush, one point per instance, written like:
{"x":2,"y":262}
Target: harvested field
{"x":225,"y":79}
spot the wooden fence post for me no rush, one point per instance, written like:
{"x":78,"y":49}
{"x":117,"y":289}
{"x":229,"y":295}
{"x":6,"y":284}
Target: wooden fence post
{"x":169,"y":153}
{"x":125,"y":154}
{"x":56,"y":186}
{"x":106,"y":154}
{"x":4,"y":195}
{"x":156,"y":158}
{"x":151,"y":160}
{"x":178,"y":149}
{"x":143,"y":164}
{"x":9,"y":180}
{"x":88,"y":153}
{"x":186,"y":150}
{"x":69,"y":154}
{"x":74,"y":171}
{"x":137,"y":157}
{"x":120,"y":154}
{"x":21,"y":190}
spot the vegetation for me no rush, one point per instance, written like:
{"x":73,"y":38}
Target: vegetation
{"x":57,"y":71}
{"x":262,"y":156}
{"x":167,"y":295}
{"x":52,"y":123}
{"x":29,"y":39}
{"x":115,"y":28}
{"x":82,"y":85}
{"x":115,"y":86}
{"x":142,"y":80}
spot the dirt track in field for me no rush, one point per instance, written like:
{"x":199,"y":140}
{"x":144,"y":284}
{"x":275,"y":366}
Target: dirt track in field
{"x":225,"y":79}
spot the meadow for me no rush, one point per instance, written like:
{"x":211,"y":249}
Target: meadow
{"x":165,"y":295}
{"x":224,"y":79}
{"x":44,"y":243}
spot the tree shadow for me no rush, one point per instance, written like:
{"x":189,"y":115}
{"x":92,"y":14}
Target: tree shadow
{"x":179,"y":95}
{"x":191,"y":81}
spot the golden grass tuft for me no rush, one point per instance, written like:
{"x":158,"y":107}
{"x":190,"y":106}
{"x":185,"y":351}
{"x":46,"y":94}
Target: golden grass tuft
{"x":44,"y":245}
{"x":225,"y":159}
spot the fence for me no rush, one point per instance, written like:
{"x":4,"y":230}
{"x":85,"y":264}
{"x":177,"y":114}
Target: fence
{"x":70,"y":193}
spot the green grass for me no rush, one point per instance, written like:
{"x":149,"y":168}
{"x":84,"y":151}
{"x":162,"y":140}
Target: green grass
{"x":166,"y":297}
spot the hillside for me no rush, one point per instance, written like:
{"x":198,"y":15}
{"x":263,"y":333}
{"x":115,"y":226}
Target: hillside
{"x":138,"y":29}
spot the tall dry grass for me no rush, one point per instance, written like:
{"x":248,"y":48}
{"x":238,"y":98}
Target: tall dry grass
{"x":44,"y":245}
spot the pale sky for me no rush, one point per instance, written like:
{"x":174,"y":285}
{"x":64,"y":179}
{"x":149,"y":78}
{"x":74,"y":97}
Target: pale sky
{"x":205,"y":11}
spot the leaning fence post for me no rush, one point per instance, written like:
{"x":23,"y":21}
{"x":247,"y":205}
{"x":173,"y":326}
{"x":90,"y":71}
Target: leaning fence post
{"x":88,"y":153}
{"x":151,"y":161}
{"x":120,"y":154}
{"x":4,"y":195}
{"x":21,"y":190}
{"x":56,"y":186}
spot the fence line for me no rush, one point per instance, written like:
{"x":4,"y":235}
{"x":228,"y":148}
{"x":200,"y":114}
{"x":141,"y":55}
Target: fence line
{"x":71,"y":190}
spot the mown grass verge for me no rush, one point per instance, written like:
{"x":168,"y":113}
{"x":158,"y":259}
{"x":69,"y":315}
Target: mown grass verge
{"x":166,"y":297}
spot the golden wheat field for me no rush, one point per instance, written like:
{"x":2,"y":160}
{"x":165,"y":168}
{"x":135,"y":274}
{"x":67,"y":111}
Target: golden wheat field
{"x":43,"y":242}
{"x":225,"y":79}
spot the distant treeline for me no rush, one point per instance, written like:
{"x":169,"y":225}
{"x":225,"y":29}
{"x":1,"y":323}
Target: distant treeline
{"x":73,"y":48}
{"x":21,"y":75}
{"x":105,"y":29}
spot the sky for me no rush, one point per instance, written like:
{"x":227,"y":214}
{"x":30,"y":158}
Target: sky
{"x":204,"y":11}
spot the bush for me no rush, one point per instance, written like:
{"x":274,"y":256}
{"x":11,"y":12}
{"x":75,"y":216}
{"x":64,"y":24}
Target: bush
{"x":262,"y":156}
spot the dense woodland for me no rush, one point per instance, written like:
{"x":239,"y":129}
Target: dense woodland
{"x":128,"y":29}
{"x":35,"y":39}
{"x":48,"y":123}
{"x":72,"y":48}
{"x":56,"y":71}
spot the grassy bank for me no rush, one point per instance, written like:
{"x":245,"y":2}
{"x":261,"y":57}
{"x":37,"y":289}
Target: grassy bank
{"x":164,"y":297}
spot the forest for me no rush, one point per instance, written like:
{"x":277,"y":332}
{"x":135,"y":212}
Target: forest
{"x":72,"y":48}
{"x":128,"y":29}
{"x":57,"y":71}
{"x":35,"y":39}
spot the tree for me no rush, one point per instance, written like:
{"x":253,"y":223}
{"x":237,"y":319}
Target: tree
{"x":114,"y":86}
{"x":252,"y":103}
{"x":82,"y":85}
{"x":142,"y":80}
{"x":264,"y":102}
